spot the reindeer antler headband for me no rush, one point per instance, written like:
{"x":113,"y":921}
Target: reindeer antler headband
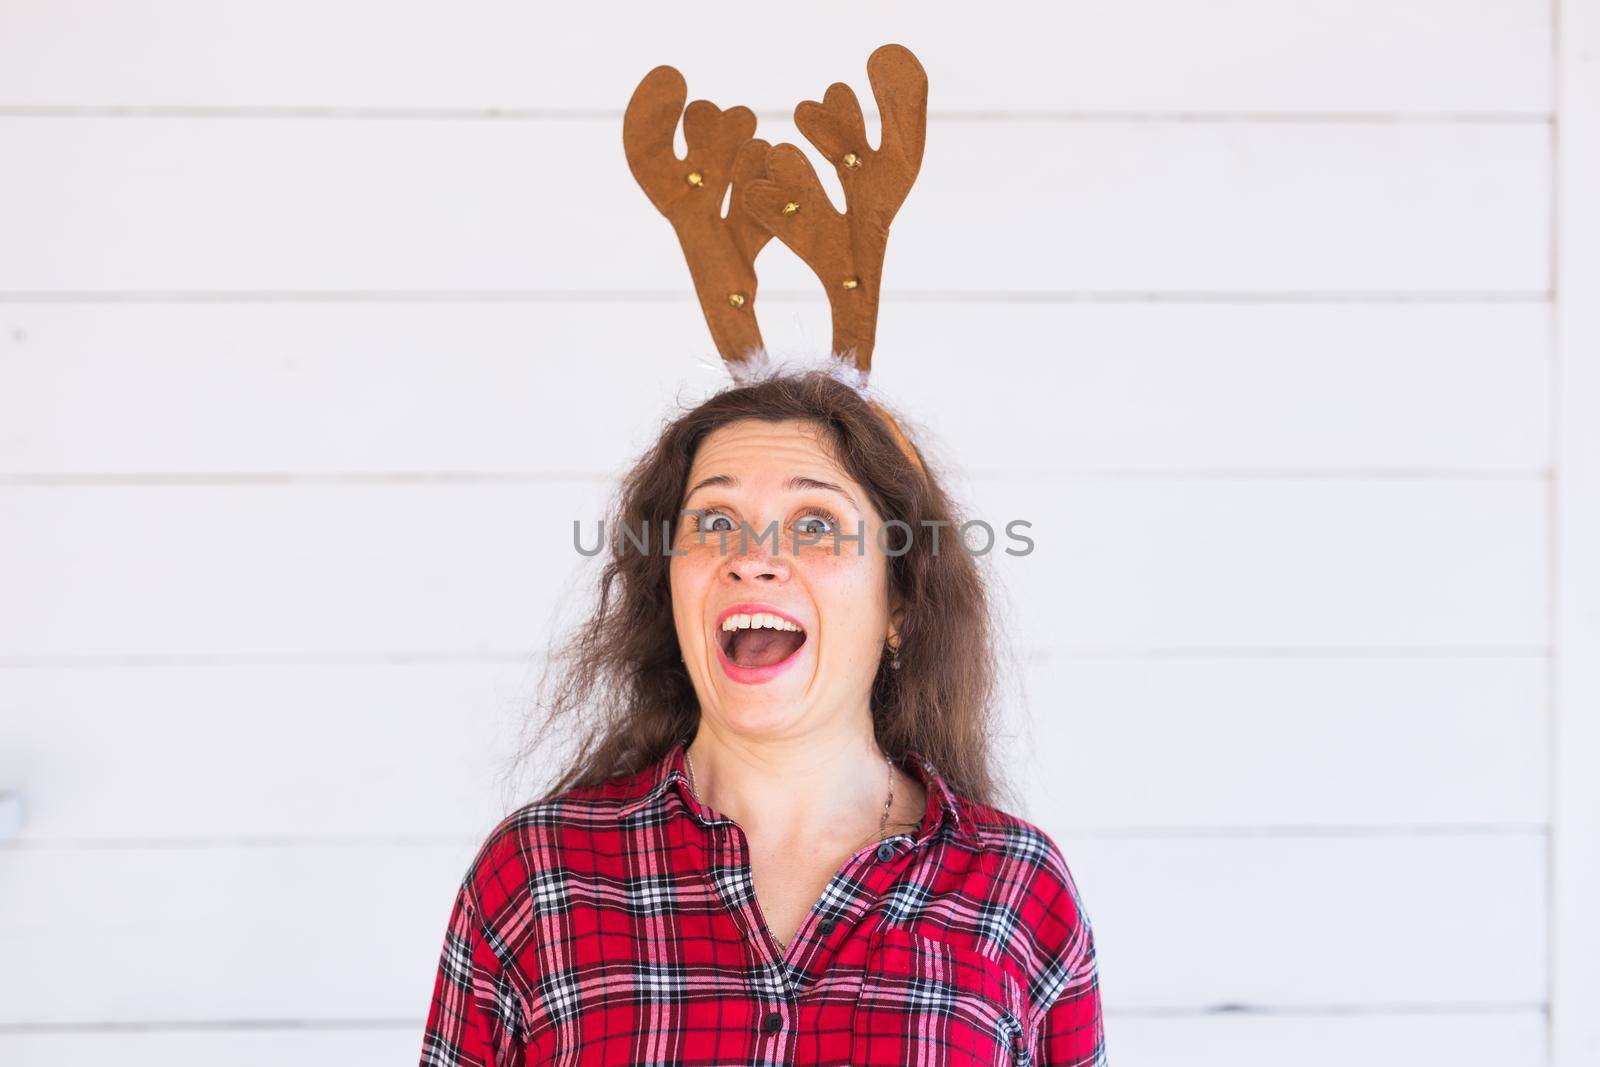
{"x":777,"y":194}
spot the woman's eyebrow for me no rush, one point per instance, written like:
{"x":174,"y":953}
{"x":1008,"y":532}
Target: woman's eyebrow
{"x":715,"y":479}
{"x":799,"y":481}
{"x":802,"y":482}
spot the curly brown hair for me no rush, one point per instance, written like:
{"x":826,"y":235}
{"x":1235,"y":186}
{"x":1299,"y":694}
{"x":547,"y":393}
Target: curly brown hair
{"x":616,"y":687}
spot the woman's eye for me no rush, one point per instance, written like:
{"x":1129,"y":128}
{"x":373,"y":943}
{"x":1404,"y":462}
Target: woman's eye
{"x":709,"y":520}
{"x":815,"y":523}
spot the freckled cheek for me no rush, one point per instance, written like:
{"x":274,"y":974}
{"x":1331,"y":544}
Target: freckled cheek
{"x":689,"y":579}
{"x":844,"y":568}
{"x":848,"y":590}
{"x":851,"y":562}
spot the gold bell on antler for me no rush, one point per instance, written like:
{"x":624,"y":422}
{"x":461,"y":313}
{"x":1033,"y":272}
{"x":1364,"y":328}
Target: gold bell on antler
{"x":736,"y":299}
{"x":852,"y":160}
{"x":695,"y":178}
{"x":790,"y":208}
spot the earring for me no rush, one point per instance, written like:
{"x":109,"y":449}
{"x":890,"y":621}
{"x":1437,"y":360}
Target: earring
{"x":894,"y":655}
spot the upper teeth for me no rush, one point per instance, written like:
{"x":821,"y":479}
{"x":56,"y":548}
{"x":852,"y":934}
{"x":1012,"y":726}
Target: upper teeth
{"x":759,"y":619}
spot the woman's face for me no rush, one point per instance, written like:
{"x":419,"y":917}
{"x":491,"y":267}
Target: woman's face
{"x":784,"y":633}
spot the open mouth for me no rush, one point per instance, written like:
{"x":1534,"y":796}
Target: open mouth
{"x":759,"y":639}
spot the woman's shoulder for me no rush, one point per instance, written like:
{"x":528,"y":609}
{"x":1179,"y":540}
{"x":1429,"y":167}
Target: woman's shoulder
{"x":534,"y":833}
{"x":1028,"y":852}
{"x":1040,"y":890}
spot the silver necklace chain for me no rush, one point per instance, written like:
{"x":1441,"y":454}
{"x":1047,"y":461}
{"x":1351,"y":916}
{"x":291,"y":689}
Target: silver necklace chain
{"x":883,"y":823}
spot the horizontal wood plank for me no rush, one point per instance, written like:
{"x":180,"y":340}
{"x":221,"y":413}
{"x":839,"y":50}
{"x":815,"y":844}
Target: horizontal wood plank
{"x":1326,"y":921}
{"x":66,"y":735}
{"x":342,"y":931}
{"x":284,"y":205}
{"x":236,"y":1046}
{"x":1133,"y":565}
{"x":1513,"y":1038}
{"x":1098,"y":54}
{"x":266,"y":389}
{"x":1223,"y":743}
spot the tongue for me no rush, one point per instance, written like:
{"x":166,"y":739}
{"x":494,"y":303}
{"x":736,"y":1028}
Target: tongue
{"x":760,"y":647}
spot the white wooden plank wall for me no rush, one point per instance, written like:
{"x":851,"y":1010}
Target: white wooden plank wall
{"x":294,"y":298}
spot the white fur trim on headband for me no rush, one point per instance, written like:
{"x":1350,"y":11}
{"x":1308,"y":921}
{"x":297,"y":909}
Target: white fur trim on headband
{"x":760,"y":364}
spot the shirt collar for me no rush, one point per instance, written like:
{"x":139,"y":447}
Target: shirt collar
{"x":650,"y":786}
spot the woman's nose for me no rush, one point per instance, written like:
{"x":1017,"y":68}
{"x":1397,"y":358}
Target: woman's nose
{"x":759,"y":563}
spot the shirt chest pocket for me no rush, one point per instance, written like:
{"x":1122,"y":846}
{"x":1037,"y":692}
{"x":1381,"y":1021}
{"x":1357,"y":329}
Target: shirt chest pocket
{"x":931,"y":1003}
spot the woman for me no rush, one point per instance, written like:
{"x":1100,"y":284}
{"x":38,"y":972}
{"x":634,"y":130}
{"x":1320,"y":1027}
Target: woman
{"x":775,"y":843}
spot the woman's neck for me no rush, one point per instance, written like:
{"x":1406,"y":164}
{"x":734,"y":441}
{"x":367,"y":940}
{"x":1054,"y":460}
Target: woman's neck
{"x":822,"y":785}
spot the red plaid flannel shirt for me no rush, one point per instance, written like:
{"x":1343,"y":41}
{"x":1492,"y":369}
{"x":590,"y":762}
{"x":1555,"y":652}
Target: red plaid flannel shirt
{"x":618,"y":924}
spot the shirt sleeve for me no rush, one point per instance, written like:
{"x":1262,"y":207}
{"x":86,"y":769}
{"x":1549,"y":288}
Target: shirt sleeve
{"x":1068,"y":1031}
{"x":474,"y":1018}
{"x":1072,"y":1033}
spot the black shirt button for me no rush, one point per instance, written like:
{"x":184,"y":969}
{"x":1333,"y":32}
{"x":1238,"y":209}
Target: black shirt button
{"x":886,"y":851}
{"x":826,"y":926}
{"x":772,"y":1023}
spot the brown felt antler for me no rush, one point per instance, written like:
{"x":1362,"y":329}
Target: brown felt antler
{"x":846,"y":250}
{"x":721,"y":252}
